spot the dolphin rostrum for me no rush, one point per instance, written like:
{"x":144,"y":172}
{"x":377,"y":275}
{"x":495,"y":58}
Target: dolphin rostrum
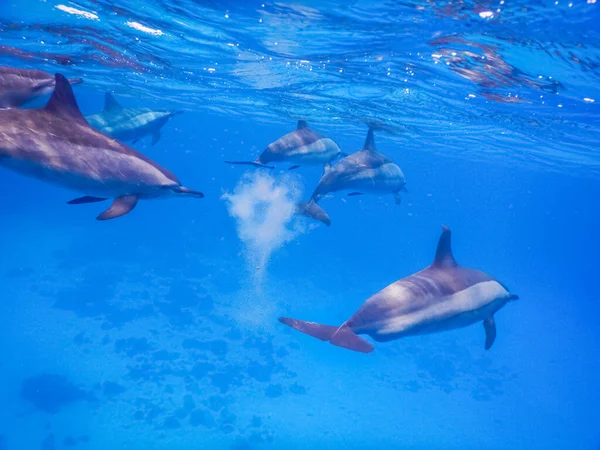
{"x":56,"y":144}
{"x":19,"y":86}
{"x":129,"y":124}
{"x":441,"y":297}
{"x":365,"y":171}
{"x":301,"y":146}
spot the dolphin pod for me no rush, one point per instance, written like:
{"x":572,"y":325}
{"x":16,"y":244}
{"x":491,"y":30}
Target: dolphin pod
{"x":301,"y":146}
{"x":366,"y":171}
{"x":19,"y":86}
{"x":56,"y":144}
{"x":440,"y":297}
{"x":129,"y":124}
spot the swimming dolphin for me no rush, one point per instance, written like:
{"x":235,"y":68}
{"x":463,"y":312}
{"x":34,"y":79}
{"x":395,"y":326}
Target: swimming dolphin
{"x":19,"y":86}
{"x":441,"y":297}
{"x":129,"y":124}
{"x":301,"y":146}
{"x":363,"y":171}
{"x":56,"y":144}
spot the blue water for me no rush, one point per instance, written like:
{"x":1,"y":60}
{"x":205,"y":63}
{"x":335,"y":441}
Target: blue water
{"x":159,"y":330}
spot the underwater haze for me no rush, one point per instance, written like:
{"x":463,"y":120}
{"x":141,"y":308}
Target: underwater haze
{"x":159,"y":329}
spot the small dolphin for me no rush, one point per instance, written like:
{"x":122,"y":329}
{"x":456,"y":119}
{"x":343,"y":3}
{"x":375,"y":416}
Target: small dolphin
{"x":363,"y":171}
{"x":56,"y":144}
{"x":301,"y":146}
{"x":441,"y":297}
{"x":129,"y":124}
{"x":19,"y":86}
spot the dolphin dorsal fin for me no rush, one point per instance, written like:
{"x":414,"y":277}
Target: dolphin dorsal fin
{"x":62,"y":102}
{"x":110,"y":104}
{"x":443,"y":255}
{"x":301,"y":124}
{"x":370,"y":141}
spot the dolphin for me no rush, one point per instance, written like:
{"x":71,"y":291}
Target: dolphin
{"x":56,"y":144}
{"x":301,"y":146}
{"x":362,"y":171}
{"x":19,"y":86}
{"x":443,"y":296}
{"x":129,"y":124}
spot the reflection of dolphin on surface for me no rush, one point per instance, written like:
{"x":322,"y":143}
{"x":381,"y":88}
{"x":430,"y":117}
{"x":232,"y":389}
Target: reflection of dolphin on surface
{"x":365,"y":171}
{"x":129,"y":124}
{"x":301,"y":146}
{"x":56,"y":144}
{"x":19,"y":86}
{"x":443,"y":296}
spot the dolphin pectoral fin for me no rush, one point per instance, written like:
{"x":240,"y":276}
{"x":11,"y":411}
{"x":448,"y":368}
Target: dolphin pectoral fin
{"x":314,"y":211}
{"x":490,"y":331}
{"x":316,"y":330}
{"x":344,"y":337}
{"x":155,"y":137}
{"x":354,"y":194}
{"x":86,"y":199}
{"x":404,"y":189}
{"x":120,"y":207}
{"x":294,"y":167}
{"x":397,"y":198}
{"x":326,"y":168}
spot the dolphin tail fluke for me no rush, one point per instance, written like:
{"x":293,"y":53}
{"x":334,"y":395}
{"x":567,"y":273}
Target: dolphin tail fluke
{"x":250,"y":163}
{"x":316,"y":330}
{"x":314,"y":211}
{"x":339,"y":336}
{"x":344,"y":337}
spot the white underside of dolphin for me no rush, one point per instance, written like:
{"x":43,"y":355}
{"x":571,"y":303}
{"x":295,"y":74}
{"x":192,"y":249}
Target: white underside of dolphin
{"x":444,"y":296}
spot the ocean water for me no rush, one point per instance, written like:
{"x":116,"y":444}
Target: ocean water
{"x":159,"y":330}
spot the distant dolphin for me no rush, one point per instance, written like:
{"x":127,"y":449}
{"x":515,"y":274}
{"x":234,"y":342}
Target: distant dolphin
{"x":363,"y":171}
{"x":19,"y":86}
{"x":129,"y":124}
{"x":301,"y":146}
{"x":441,"y":297}
{"x":56,"y":144}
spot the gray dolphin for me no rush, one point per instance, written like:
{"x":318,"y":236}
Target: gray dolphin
{"x":19,"y":86}
{"x":441,"y":297}
{"x":56,"y":144}
{"x":129,"y":124}
{"x":301,"y":146}
{"x":365,"y":171}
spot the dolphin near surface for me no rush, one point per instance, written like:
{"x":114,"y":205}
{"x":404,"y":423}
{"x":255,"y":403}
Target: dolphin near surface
{"x":443,"y":296}
{"x":56,"y":144}
{"x":19,"y":86}
{"x":365,"y":171}
{"x":303,"y":146}
{"x":129,"y":124}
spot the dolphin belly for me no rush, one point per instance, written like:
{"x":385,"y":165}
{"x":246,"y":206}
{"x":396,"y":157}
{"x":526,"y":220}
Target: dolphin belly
{"x":434,"y":314}
{"x":385,"y":179}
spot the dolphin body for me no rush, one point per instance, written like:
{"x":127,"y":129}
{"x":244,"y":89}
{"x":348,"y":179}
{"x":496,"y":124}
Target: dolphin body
{"x":365,"y":171}
{"x":56,"y":144}
{"x":443,"y":296}
{"x":301,"y":146}
{"x":19,"y":86}
{"x":129,"y":124}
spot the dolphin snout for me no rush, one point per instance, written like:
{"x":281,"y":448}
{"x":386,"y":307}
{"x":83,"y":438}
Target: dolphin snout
{"x":187,"y":191}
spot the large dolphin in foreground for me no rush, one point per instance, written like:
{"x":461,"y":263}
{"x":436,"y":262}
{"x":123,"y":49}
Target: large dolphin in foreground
{"x":56,"y":144}
{"x":441,"y":297}
{"x":301,"y":146}
{"x":19,"y":86}
{"x":129,"y":124}
{"x":366,"y":171}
